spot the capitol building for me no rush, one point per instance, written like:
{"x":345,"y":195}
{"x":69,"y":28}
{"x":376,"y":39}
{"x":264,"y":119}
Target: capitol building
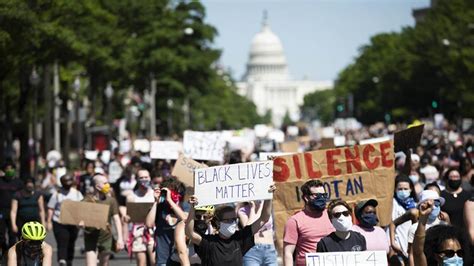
{"x":267,"y":81}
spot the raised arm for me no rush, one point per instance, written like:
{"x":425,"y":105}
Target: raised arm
{"x":190,"y":233}
{"x":266,"y":213}
{"x":151,"y":216}
{"x":182,"y":215}
{"x":42,"y":212}
{"x":419,"y":240}
{"x":180,"y":242}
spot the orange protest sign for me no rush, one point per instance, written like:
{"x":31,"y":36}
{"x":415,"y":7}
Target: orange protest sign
{"x":350,"y":173}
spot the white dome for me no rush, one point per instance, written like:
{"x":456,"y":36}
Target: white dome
{"x":267,"y":59}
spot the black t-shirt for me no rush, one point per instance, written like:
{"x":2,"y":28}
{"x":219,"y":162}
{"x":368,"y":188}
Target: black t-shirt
{"x":454,"y":206}
{"x":213,"y":250}
{"x":8,"y":188}
{"x":332,"y":243}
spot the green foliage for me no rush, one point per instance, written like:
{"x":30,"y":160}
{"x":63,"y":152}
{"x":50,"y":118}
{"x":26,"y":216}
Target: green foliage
{"x":127,"y":43}
{"x":402,"y":74}
{"x":319,"y":105}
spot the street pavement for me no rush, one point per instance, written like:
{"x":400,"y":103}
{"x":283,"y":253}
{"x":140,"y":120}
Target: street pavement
{"x":120,"y":258}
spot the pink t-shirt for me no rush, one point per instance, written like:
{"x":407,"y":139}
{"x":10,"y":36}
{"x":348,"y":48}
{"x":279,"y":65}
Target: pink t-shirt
{"x":305,"y":229}
{"x":375,"y":239}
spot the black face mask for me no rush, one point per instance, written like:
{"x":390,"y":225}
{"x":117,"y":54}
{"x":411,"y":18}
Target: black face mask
{"x":454,"y":184}
{"x":200,"y":227}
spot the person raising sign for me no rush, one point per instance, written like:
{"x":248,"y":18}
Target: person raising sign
{"x":229,"y":245}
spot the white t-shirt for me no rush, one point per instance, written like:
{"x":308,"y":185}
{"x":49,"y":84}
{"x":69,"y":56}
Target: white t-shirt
{"x":401,"y":231}
{"x":411,"y":232}
{"x":58,"y":197}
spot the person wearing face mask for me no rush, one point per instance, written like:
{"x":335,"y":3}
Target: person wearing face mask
{"x":375,"y":236}
{"x":343,"y":239}
{"x":64,"y":234}
{"x":433,"y":217}
{"x":9,"y":185}
{"x":31,"y":249}
{"x":415,"y":179}
{"x":304,"y":229}
{"x":440,"y":245}
{"x":140,"y":240}
{"x":404,"y":200}
{"x":455,"y":198}
{"x":27,"y":205}
{"x":99,"y":242}
{"x":230,"y":244}
{"x":165,"y":214}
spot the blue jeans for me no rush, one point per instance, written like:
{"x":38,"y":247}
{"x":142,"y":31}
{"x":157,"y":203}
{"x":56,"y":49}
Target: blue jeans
{"x":261,"y":254}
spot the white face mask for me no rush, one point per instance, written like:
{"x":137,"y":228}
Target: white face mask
{"x":228,"y":229}
{"x":342,"y":224}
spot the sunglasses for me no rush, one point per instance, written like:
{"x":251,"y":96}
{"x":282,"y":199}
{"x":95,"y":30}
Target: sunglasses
{"x":201,"y":217}
{"x":338,"y":214}
{"x":319,"y":195}
{"x":450,"y":253}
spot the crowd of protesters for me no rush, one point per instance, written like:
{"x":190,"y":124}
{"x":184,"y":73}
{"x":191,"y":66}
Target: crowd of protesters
{"x":432,"y":214}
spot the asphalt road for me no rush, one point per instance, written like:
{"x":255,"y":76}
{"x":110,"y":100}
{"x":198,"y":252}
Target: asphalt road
{"x":80,"y":259}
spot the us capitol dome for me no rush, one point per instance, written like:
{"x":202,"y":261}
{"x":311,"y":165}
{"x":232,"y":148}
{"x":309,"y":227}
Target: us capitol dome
{"x":267,"y":81}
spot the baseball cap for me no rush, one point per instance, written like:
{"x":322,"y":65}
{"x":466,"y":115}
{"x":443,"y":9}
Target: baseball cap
{"x":361,"y":205}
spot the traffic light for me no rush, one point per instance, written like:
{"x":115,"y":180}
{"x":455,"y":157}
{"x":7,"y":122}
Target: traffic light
{"x":434,"y":104}
{"x":340,"y":108}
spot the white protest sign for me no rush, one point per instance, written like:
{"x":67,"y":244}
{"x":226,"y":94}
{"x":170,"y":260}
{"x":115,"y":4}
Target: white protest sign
{"x":115,"y":171}
{"x":233,"y":183}
{"x":359,"y":258}
{"x":91,"y":155}
{"x":142,"y":145}
{"x":374,"y":140}
{"x":125,"y":146}
{"x":165,"y":149}
{"x":207,"y":145}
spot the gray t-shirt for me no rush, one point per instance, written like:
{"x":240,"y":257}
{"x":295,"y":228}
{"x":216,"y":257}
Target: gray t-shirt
{"x":58,"y":197}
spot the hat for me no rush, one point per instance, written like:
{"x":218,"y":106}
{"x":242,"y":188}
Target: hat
{"x":415,"y":158}
{"x":430,"y":195}
{"x":430,"y":172}
{"x":361,"y":205}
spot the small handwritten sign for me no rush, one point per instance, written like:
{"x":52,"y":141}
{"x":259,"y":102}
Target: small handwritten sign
{"x":165,"y":149}
{"x":361,"y":258}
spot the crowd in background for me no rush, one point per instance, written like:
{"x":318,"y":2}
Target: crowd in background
{"x":434,"y":195}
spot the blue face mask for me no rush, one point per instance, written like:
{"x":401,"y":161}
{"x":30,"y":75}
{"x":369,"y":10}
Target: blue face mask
{"x":368,"y":220}
{"x":434,"y":214}
{"x":318,"y":203}
{"x":453,"y":261}
{"x":403,"y":194}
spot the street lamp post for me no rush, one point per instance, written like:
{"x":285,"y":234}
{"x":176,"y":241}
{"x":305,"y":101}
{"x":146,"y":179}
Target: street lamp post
{"x":35,"y":80}
{"x":109,"y":93}
{"x":77,"y":87}
{"x":170,"y":104}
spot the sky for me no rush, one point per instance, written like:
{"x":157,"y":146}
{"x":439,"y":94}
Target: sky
{"x":320,"y":37}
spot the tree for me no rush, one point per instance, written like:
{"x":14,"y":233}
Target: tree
{"x":319,"y":105}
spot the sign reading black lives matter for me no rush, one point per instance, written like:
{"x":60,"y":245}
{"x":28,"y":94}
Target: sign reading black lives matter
{"x":233,"y":183}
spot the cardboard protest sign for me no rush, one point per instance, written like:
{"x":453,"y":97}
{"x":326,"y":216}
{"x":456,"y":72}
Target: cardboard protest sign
{"x":354,"y":258}
{"x":165,"y":149}
{"x":350,"y":173}
{"x":138,"y":211}
{"x":327,"y":143}
{"x":93,"y":214}
{"x":184,"y":170}
{"x":233,"y":183}
{"x":204,"y":145}
{"x":290,"y":146}
{"x":408,"y":138}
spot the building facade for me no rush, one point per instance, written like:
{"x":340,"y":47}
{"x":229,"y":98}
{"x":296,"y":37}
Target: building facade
{"x":267,"y":81}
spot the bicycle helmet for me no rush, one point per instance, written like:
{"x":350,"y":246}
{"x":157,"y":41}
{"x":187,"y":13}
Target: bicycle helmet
{"x":33,"y":231}
{"x":208,"y":209}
